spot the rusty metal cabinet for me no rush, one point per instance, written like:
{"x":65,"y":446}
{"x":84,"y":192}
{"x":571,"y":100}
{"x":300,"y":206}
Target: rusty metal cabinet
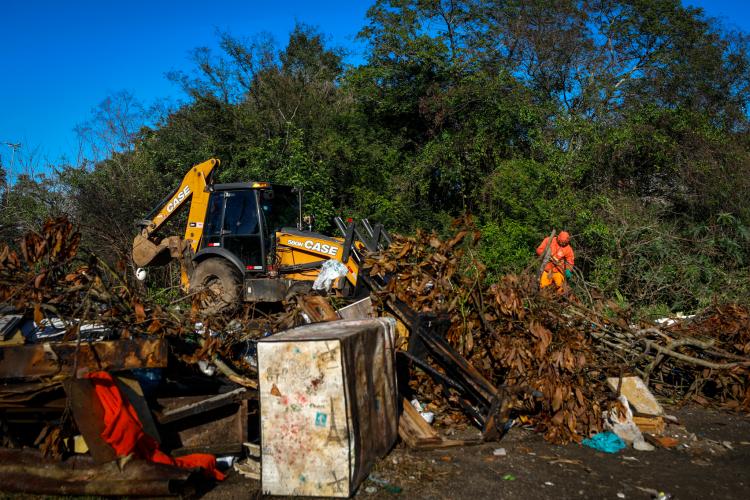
{"x":329,"y":405}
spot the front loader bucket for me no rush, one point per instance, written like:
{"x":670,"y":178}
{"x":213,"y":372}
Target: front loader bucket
{"x":147,"y":253}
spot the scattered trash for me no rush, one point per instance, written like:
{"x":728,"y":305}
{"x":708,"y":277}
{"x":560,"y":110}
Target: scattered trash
{"x":549,"y":483}
{"x":330,"y":271}
{"x":248,"y":468}
{"x":428,"y":416}
{"x":226,"y":462}
{"x":387,"y":486}
{"x":607,"y":441}
{"x":84,"y":319}
{"x":620,"y":495}
{"x":673,"y":321}
{"x":566,"y":461}
{"x":620,"y":421}
{"x":207,"y":368}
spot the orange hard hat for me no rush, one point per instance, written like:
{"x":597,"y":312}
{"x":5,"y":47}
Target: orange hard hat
{"x":563,"y":237}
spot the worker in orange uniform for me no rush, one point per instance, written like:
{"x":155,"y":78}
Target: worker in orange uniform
{"x":560,"y":263}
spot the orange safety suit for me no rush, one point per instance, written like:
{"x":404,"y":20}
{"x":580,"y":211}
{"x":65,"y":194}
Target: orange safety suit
{"x":561,"y":259}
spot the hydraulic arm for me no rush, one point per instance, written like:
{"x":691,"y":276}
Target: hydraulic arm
{"x":150,"y":250}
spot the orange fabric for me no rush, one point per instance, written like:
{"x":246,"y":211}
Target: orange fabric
{"x":563,"y":254}
{"x":124,"y":433}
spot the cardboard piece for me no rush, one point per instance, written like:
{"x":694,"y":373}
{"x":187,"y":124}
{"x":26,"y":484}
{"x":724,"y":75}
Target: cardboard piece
{"x":639,"y":397}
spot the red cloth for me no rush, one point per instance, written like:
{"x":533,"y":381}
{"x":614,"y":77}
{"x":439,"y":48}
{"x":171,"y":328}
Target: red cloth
{"x":124,"y":432}
{"x":563,"y":254}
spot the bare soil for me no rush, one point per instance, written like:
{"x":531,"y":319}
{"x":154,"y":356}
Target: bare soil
{"x":712,"y":461}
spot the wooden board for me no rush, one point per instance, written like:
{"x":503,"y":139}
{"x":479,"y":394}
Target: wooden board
{"x":196,"y":424}
{"x":650,"y":425}
{"x":418,"y":434}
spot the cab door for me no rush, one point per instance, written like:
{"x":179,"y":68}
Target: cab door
{"x":232,"y":223}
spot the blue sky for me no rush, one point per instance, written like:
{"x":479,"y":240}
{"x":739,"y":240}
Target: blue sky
{"x":58,"y":59}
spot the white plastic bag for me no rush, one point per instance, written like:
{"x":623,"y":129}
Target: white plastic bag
{"x":330,"y":271}
{"x":625,"y":428}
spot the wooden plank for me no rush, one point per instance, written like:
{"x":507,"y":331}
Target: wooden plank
{"x":249,"y":468}
{"x":413,"y":422}
{"x":202,"y":406}
{"x":252,"y":450}
{"x":418,"y":434}
{"x":213,"y":449}
{"x":28,"y":471}
{"x":651,"y":425}
{"x":224,"y":426}
{"x":361,"y":309}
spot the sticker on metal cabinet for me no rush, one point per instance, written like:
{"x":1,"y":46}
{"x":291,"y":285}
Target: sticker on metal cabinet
{"x":321,"y":419}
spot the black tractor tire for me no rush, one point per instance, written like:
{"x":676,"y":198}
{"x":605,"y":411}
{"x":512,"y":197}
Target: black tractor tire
{"x":216,"y":285}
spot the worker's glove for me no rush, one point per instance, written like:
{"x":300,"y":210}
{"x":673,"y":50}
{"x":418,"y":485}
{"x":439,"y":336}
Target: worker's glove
{"x":568,"y":273}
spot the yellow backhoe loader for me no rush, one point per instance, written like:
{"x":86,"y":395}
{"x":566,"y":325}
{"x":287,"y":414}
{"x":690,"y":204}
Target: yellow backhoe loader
{"x":246,"y":242}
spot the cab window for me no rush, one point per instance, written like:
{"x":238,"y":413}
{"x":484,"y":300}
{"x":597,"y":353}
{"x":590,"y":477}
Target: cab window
{"x":241,"y":216}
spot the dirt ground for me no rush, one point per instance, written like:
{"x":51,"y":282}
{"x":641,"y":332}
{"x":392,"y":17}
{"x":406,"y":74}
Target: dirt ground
{"x":712,"y":461}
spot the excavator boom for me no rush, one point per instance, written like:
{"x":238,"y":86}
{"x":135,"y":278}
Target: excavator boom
{"x":149,"y":250}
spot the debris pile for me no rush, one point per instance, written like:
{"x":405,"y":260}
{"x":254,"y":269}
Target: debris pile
{"x":470,"y":351}
{"x":68,"y":321}
{"x":564,"y":349}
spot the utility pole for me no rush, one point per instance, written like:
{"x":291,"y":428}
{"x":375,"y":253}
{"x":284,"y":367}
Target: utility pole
{"x":15,"y":146}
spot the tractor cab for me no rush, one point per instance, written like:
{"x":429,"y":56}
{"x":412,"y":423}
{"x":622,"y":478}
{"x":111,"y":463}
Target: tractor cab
{"x":242,"y":220}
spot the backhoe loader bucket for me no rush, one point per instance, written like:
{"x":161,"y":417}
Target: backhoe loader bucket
{"x":147,"y":253}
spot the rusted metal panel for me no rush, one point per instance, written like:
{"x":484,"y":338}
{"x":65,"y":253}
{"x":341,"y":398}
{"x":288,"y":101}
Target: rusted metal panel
{"x":89,"y":416}
{"x":59,"y":358}
{"x":329,"y":405}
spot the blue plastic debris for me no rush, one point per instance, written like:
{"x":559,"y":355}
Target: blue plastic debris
{"x":607,"y":442}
